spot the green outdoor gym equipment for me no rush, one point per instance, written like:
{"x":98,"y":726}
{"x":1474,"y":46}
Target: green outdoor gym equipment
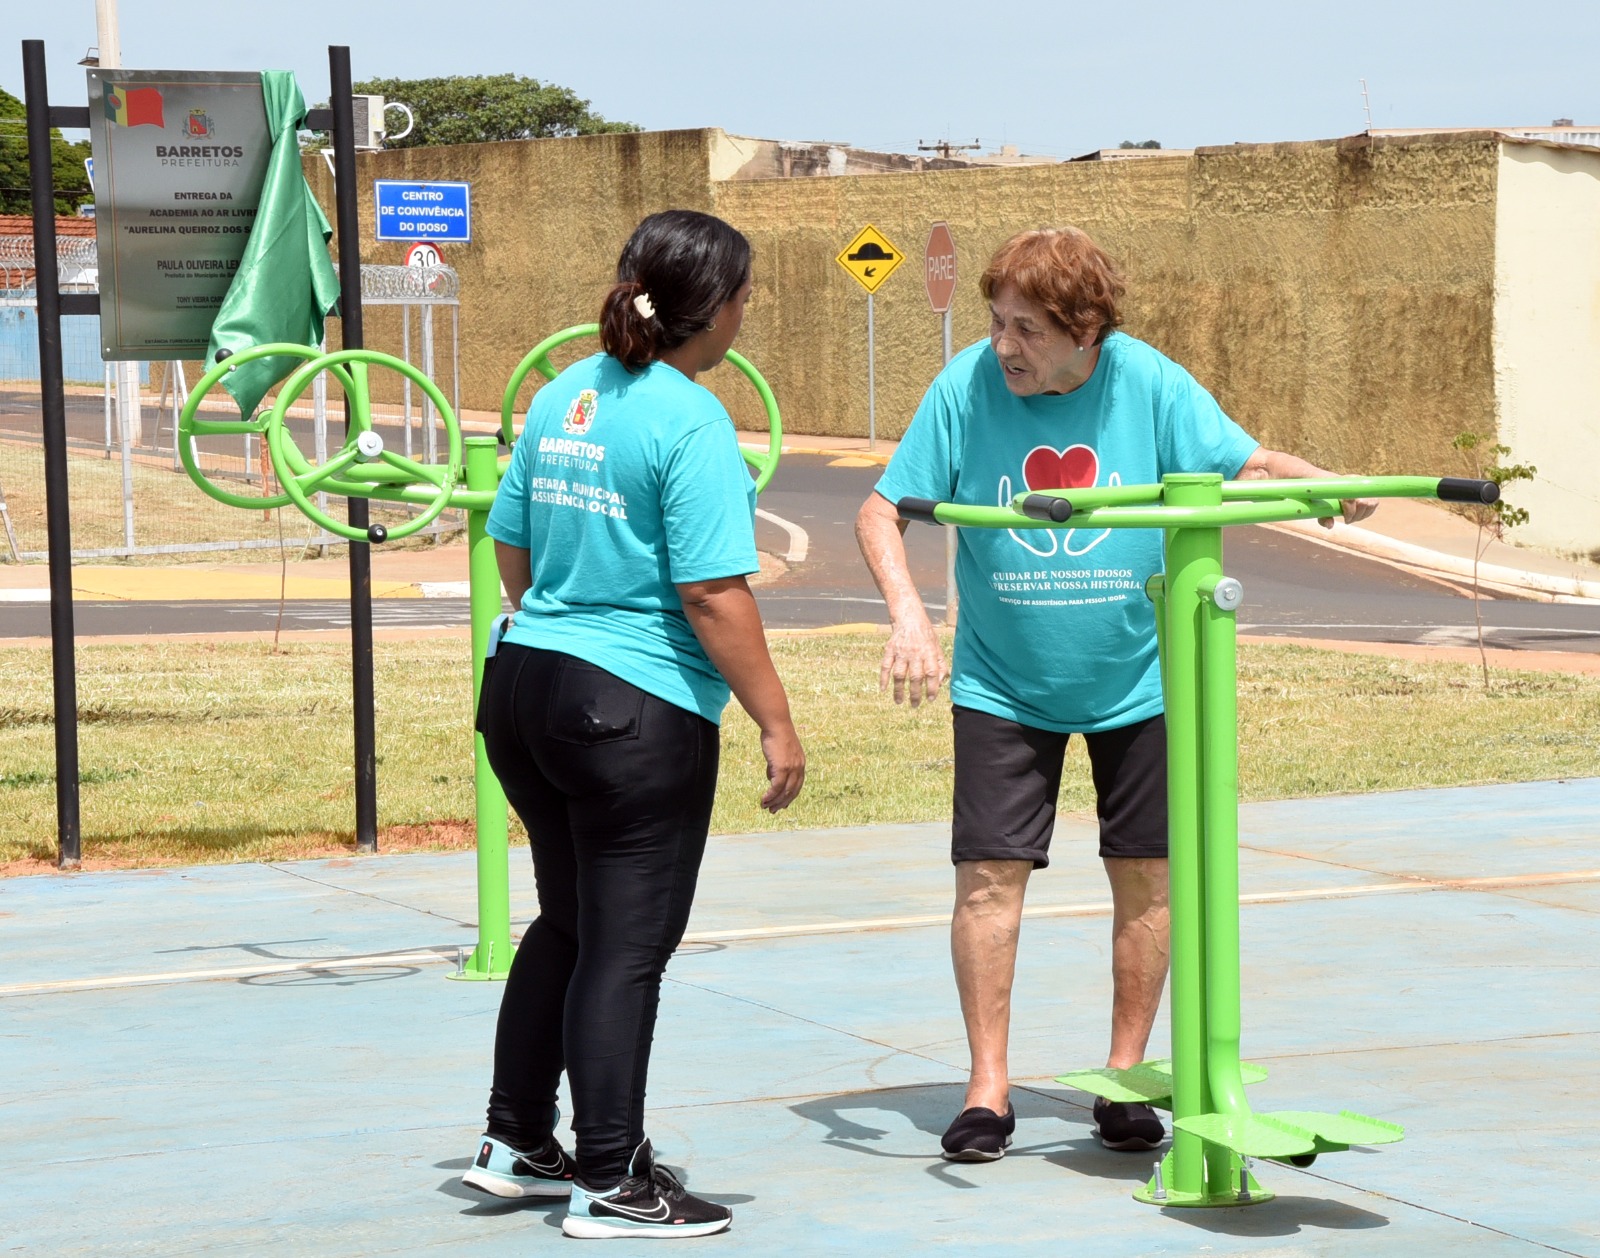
{"x":465,"y":481}
{"x":1214,"y":1129}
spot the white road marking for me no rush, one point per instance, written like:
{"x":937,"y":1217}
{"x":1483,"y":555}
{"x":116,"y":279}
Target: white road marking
{"x":799,"y":539}
{"x":381,"y":960}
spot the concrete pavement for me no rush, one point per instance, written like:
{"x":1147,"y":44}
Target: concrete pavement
{"x":269,"y":1059}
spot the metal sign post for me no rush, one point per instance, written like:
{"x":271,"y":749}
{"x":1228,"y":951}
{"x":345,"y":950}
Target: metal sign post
{"x":939,"y":278}
{"x":52,"y":406}
{"x":870,"y":259}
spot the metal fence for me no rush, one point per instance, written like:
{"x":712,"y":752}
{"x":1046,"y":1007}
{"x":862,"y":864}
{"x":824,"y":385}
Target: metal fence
{"x":129,"y":495}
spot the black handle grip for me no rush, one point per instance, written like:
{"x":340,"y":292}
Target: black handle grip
{"x":1457,"y":489}
{"x":920,"y":509}
{"x":1046,"y":507}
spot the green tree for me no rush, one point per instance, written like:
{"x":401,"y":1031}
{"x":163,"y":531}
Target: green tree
{"x":66,"y":160}
{"x":1483,"y":462}
{"x":473,"y":109}
{"x":1142,"y":144}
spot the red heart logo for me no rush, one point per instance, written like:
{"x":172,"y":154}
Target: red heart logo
{"x":1076,"y":467}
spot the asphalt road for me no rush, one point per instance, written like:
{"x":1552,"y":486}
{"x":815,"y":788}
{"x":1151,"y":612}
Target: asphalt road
{"x":1293,"y":588}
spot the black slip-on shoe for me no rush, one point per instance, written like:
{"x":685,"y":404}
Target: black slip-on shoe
{"x":979,"y":1135}
{"x":1127,"y":1125}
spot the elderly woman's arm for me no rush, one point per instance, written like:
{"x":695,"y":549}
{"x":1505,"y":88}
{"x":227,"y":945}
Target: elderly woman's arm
{"x":913,"y":658}
{"x":1267,"y":464}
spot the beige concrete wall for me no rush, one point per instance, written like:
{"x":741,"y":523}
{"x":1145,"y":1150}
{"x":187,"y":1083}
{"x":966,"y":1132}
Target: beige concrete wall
{"x":1336,"y":297}
{"x":1547,"y":339}
{"x":548,"y":219}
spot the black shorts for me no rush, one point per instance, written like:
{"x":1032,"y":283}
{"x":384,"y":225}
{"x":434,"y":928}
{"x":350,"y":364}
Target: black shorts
{"x":1008,"y":777}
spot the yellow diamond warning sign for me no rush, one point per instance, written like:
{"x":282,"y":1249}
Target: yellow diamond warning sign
{"x":870,"y":258}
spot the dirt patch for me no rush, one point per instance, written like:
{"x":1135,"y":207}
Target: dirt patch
{"x":432,"y":836}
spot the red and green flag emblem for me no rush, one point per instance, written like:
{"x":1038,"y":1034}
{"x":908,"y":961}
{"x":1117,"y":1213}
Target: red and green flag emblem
{"x":134,"y":106}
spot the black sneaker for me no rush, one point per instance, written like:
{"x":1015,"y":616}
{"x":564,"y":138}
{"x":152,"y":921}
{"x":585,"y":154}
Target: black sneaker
{"x":505,"y":1172}
{"x":1127,"y":1125}
{"x":648,"y":1202}
{"x":979,"y":1135}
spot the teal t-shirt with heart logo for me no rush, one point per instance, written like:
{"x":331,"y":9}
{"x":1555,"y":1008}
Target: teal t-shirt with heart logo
{"x":1055,"y":630}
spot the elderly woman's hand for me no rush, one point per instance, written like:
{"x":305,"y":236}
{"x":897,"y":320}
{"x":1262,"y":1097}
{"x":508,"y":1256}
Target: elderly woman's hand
{"x":1354,"y":509}
{"x":1265,"y":464}
{"x":914,"y":661}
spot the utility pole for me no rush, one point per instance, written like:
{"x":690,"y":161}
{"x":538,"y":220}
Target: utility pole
{"x":130,"y":420}
{"x":944,"y":148}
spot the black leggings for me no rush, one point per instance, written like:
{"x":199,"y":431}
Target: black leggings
{"x":615,"y":787}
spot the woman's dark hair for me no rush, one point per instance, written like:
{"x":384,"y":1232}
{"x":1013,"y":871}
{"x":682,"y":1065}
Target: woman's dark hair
{"x":676,"y":271}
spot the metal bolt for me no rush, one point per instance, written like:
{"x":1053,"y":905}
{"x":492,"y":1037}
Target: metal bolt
{"x":1228,"y":594}
{"x":1160,"y":1193}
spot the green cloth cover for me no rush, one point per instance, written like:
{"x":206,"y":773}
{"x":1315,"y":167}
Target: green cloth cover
{"x":286,"y":284}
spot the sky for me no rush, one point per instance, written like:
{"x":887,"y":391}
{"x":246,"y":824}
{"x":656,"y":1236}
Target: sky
{"x":1055,"y":79}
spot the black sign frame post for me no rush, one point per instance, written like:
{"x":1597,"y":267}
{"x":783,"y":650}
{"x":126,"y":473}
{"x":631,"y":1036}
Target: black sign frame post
{"x":53,"y":410}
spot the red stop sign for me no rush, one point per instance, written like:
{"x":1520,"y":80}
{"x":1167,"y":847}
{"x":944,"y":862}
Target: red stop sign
{"x":939,"y":268}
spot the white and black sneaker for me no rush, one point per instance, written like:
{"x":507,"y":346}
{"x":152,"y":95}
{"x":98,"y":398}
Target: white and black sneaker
{"x":649,"y":1202}
{"x":505,"y":1172}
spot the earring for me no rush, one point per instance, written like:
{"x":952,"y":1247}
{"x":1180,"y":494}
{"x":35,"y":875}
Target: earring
{"x":711,"y":327}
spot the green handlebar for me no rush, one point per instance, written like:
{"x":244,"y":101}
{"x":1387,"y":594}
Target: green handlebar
{"x":1145,"y":506}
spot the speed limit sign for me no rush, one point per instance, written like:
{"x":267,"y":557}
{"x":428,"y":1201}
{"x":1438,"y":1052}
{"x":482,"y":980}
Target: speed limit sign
{"x":424,"y":254}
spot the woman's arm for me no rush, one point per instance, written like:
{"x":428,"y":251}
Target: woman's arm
{"x":1267,"y":464}
{"x":724,"y":616}
{"x":516,"y":570}
{"x":912,"y":658}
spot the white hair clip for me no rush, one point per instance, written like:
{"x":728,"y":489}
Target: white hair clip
{"x":644,"y":306}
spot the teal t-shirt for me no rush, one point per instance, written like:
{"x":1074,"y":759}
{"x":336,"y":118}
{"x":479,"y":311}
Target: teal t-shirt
{"x":623,"y":486}
{"x":1055,"y":630}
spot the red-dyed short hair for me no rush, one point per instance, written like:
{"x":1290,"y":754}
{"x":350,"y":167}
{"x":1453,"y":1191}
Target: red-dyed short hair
{"x":1063,"y":271}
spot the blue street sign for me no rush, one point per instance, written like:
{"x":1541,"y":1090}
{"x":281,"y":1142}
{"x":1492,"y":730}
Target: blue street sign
{"x":423,"y":211}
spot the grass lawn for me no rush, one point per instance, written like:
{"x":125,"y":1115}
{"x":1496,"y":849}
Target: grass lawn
{"x":197,"y":752}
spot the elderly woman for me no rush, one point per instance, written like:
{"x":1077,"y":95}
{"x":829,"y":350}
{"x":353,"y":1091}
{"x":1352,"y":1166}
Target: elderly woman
{"x":1055,"y":636}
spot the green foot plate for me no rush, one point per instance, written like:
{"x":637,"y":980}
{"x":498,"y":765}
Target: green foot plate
{"x":1149,"y":1081}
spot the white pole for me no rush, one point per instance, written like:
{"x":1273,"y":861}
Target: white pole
{"x":430,"y":438}
{"x":872,"y":381}
{"x":127,"y":479}
{"x":173,"y":378}
{"x":108,"y":40}
{"x":130,"y":419}
{"x":405,"y":381}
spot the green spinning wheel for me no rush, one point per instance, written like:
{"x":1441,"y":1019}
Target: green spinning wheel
{"x":363,"y":468}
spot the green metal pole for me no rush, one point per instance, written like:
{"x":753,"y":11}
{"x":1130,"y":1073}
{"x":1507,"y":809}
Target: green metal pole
{"x":1220,"y":726}
{"x":491,"y":959}
{"x":1185,"y":563}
